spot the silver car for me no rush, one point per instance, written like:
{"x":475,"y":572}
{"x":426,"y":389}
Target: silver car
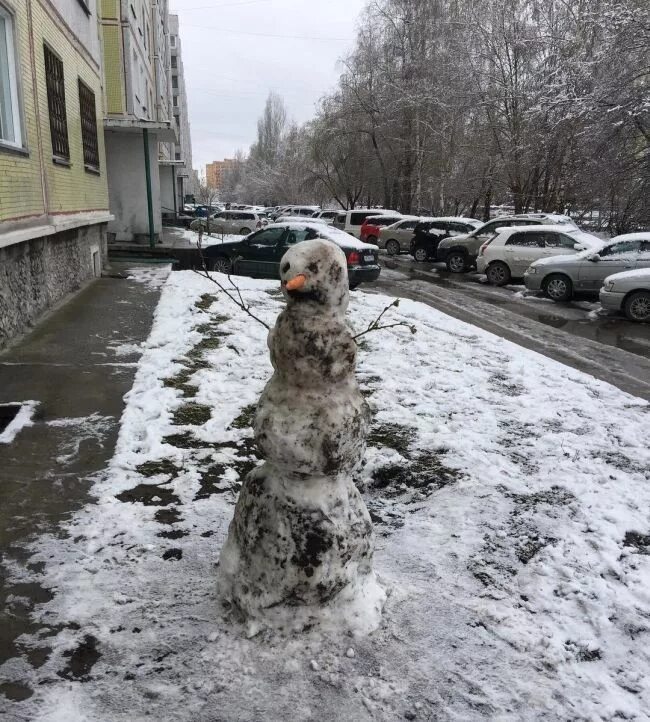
{"x":628,"y":292}
{"x":238,"y":222}
{"x":561,"y":277}
{"x":397,"y":237}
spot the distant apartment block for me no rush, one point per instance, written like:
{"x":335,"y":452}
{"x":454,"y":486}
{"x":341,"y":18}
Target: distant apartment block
{"x":53,"y":175}
{"x":138,"y":126}
{"x":214,"y":171}
{"x":180,"y":181}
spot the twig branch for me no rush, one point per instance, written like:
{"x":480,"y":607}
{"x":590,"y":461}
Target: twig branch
{"x":204,"y":273}
{"x":376,"y":326}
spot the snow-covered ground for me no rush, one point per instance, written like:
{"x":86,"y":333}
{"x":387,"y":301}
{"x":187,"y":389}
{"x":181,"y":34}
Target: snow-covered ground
{"x":510,"y":496}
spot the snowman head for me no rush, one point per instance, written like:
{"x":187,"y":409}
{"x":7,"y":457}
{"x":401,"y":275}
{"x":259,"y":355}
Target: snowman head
{"x":315,"y":274}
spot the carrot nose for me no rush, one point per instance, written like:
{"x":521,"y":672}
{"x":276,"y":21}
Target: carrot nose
{"x":296,"y":282}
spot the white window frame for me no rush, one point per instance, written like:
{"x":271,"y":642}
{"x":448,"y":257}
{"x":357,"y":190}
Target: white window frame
{"x":14,"y":79}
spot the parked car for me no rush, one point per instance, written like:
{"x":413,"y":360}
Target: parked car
{"x":239,"y":222}
{"x":512,"y":250}
{"x":259,"y":254}
{"x":460,"y":252}
{"x":396,"y":238}
{"x":372,"y":225}
{"x":629,"y":292}
{"x":429,"y":232}
{"x":328,"y":215}
{"x":350,"y":221}
{"x":302,"y":211}
{"x":297,"y":219}
{"x":560,"y":278}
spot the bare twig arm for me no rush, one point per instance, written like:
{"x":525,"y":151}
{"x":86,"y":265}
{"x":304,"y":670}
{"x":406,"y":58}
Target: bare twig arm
{"x":376,"y":326}
{"x":241,"y":303}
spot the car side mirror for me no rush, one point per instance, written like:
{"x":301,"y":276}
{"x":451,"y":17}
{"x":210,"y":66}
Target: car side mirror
{"x":594,"y":258}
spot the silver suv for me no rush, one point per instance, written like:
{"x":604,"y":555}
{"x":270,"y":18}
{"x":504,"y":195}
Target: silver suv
{"x":460,"y":252}
{"x":237,"y":222}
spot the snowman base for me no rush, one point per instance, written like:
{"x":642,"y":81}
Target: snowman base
{"x":299,"y":555}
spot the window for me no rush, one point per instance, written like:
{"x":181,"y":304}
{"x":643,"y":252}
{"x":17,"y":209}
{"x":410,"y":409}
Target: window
{"x":10,"y":125}
{"x":177,"y":155}
{"x":172,"y":41}
{"x":174,"y":60}
{"x":619,"y":248}
{"x":527,"y":240}
{"x":269,"y":237}
{"x":174,"y":81}
{"x":88,"y":126}
{"x":559,"y":240}
{"x":176,"y":101}
{"x":356,"y":219}
{"x":56,"y":105}
{"x":407,"y":225}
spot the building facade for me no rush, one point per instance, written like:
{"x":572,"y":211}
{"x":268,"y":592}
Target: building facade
{"x":178,"y":179}
{"x":138,"y":121}
{"x":53,"y":176}
{"x":214,"y":172}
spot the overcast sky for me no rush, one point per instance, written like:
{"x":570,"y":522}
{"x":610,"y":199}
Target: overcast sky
{"x":236,"y":51}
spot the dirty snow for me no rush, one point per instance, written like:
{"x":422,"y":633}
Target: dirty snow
{"x":510,"y":497}
{"x":20,"y":421}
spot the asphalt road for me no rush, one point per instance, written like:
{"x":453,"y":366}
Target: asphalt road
{"x":578,"y":334}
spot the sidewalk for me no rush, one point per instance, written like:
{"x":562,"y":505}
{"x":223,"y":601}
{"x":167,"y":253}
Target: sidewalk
{"x":77,"y":364}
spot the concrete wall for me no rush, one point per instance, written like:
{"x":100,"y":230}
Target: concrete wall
{"x":127,"y":185}
{"x":82,"y":24}
{"x":36,"y":274}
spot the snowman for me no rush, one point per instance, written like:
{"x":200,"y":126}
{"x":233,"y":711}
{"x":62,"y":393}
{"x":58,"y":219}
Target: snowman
{"x":299,"y":548}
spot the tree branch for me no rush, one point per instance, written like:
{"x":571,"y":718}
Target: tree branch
{"x":204,"y":273}
{"x":376,"y":326}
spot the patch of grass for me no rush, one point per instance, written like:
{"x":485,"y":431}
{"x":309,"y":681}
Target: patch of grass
{"x":209,"y":343}
{"x":424,"y":475}
{"x":641,"y":542}
{"x":245,"y":418}
{"x":192,"y":414}
{"x":186,"y":440}
{"x":149,"y":495}
{"x":179,"y":382}
{"x":168,"y":516}
{"x":392,"y":436}
{"x":155,"y":468}
{"x":205,"y":301}
{"x":212,"y":482}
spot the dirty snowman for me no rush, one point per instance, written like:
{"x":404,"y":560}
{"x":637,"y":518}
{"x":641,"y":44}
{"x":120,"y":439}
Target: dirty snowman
{"x":299,"y":548}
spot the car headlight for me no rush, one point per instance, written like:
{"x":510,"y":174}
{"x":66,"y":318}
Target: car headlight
{"x":531,"y":270}
{"x":609,"y":286}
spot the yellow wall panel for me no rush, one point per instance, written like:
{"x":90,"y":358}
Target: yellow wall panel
{"x":113,"y":76}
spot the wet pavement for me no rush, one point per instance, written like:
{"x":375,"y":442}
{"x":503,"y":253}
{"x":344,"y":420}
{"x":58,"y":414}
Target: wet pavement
{"x":578,"y":334}
{"x":77,"y":364}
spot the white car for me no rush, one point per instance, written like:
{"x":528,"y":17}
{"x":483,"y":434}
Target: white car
{"x":298,"y":219}
{"x":328,"y":215}
{"x":351,"y":221}
{"x":512,"y":250}
{"x":628,"y":292}
{"x":300,"y":211}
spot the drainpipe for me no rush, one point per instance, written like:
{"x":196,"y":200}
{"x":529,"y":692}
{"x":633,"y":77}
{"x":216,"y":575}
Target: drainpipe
{"x":174,"y":191}
{"x":147,"y":173}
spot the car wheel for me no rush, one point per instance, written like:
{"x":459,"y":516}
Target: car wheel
{"x":637,"y":306}
{"x":221,"y":264}
{"x":392,"y":247}
{"x":420,"y":255}
{"x":456,"y":263}
{"x":558,"y":287}
{"x":244,"y":231}
{"x":498,"y":273}
{"x":372,"y":239}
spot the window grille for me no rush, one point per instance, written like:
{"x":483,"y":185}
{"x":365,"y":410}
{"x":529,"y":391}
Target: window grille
{"x":88,"y":125}
{"x":56,"y":104}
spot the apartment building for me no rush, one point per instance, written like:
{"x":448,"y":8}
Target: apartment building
{"x":138,"y":127}
{"x":178,"y":179}
{"x":214,"y":171}
{"x":53,"y":177}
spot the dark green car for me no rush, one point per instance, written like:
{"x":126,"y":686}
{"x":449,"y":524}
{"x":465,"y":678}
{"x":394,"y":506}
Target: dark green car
{"x":258,"y":255}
